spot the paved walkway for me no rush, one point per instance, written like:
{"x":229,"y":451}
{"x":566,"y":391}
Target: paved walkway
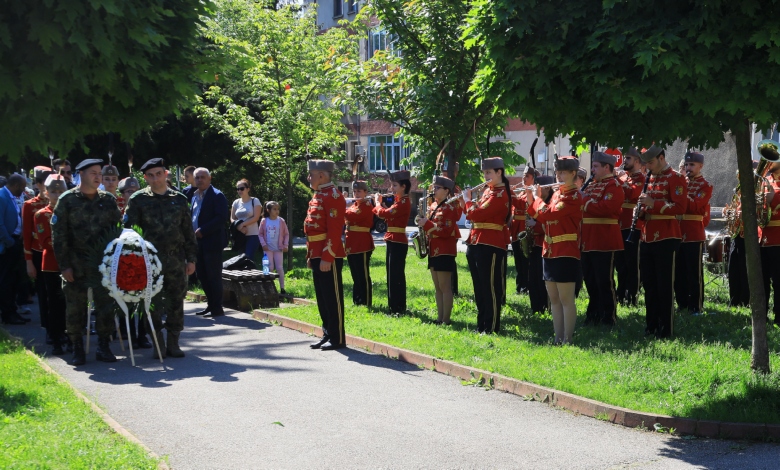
{"x":218,"y":408}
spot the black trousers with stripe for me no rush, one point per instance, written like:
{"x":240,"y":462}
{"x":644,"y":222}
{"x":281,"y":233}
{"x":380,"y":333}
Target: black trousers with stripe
{"x":359,"y":264}
{"x":537,"y":291}
{"x":329,"y":288}
{"x":395,"y":261}
{"x":486,"y":264}
{"x":521,"y":266}
{"x":40,"y":289}
{"x":739,"y":290}
{"x":689,"y":277}
{"x":770,"y":267}
{"x":627,"y":267}
{"x":656,"y":262}
{"x":598,"y":274}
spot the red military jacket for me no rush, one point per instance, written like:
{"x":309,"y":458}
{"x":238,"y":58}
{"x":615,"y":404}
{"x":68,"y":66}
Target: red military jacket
{"x":29,"y":232}
{"x":121,"y":203}
{"x":539,"y":235}
{"x":442,"y":229}
{"x":360,"y":219}
{"x":518,"y":216}
{"x":324,"y":224}
{"x":692,"y":222}
{"x":632,"y":188}
{"x":668,"y":189}
{"x":42,"y":220}
{"x":396,"y":216}
{"x":770,"y":235}
{"x":488,"y":218}
{"x":561,"y":219}
{"x":601,"y":215}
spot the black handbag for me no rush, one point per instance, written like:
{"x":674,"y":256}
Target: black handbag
{"x":239,"y":239}
{"x":239,"y":263}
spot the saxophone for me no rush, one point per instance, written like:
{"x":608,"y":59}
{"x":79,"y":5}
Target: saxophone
{"x":768,"y":149}
{"x":420,"y":238}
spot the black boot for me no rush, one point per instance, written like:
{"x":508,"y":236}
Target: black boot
{"x":79,"y":356}
{"x":56,"y":347}
{"x":161,"y":342}
{"x":103,"y":352}
{"x":173,"y":348}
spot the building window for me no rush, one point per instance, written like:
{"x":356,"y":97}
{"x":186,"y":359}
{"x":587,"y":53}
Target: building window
{"x":380,"y":39}
{"x":338,"y":8}
{"x":351,"y":7}
{"x":394,"y":152}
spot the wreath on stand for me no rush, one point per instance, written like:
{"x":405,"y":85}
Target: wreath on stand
{"x":131,"y":272}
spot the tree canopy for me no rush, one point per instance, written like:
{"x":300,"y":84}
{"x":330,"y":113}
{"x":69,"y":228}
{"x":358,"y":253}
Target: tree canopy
{"x":418,"y":75}
{"x":70,"y":68}
{"x":622,"y":72}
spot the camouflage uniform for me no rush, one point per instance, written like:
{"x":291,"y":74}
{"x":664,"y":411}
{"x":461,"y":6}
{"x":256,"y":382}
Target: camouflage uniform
{"x":78,"y":225}
{"x":166,"y":223}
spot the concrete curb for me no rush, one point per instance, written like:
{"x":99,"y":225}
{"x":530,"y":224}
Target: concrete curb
{"x":111,"y":422}
{"x":556,"y":398}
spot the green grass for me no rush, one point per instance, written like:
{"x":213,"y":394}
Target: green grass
{"x":702,"y":373}
{"x":43,"y":424}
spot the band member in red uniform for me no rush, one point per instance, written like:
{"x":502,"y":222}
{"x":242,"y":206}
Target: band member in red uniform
{"x":396,"y":216}
{"x":601,"y":239}
{"x":666,"y":198}
{"x":689,"y":272}
{"x":769,"y":237}
{"x":441,"y":226}
{"x":50,"y":271}
{"x":490,"y":216}
{"x":561,"y":250}
{"x":537,"y":291}
{"x":33,"y":251}
{"x":359,"y":243}
{"x":519,"y":231}
{"x":632,"y":181}
{"x":323,"y":226}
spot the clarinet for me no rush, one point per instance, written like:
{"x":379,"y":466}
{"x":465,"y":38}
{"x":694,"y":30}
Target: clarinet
{"x":585,"y":185}
{"x":631,"y":238}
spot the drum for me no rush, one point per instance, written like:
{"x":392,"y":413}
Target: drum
{"x":717,"y":254}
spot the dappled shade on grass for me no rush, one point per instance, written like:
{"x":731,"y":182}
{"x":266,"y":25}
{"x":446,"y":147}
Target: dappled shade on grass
{"x":703,"y":372}
{"x":43,"y":424}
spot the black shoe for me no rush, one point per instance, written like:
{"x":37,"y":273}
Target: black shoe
{"x":203,"y":312}
{"x":103,"y":352}
{"x":79,"y":356}
{"x":319,"y":343}
{"x":49,"y":341}
{"x":56,"y":350}
{"x":144,"y":343}
{"x":214,"y":314}
{"x":328,"y":346}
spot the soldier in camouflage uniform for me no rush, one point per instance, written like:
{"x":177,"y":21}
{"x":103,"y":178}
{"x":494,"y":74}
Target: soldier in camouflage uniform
{"x":164,"y":217}
{"x":81,"y":219}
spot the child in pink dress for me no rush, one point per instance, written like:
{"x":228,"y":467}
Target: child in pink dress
{"x":274,"y":238}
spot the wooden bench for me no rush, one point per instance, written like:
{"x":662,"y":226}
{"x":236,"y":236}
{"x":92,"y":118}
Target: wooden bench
{"x":250,"y":289}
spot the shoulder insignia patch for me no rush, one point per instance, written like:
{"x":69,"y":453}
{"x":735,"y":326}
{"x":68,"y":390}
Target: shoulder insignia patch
{"x":608,"y":196}
{"x":678,"y":190}
{"x":334,"y":212}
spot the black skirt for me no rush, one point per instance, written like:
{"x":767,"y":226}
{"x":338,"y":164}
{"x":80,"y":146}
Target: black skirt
{"x":563,"y":269}
{"x":443,"y":263}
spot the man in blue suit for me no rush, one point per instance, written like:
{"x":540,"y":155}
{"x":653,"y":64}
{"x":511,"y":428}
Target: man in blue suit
{"x":11,"y":250}
{"x":209,"y":219}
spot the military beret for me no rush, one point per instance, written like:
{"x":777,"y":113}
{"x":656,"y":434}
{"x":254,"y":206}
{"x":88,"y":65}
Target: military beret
{"x":128,"y":183}
{"x":567,"y":164}
{"x":694,"y":157}
{"x":603,"y":157}
{"x":152,"y":163}
{"x":444,"y":181}
{"x":400,"y":175}
{"x":320,"y":165}
{"x":56,"y":183}
{"x":359,"y":185}
{"x":582,"y":173}
{"x":40,"y":171}
{"x":545,"y":179}
{"x":493,"y":163}
{"x":110,"y":170}
{"x":529,"y":169}
{"x":651,"y":153}
{"x":88,"y":163}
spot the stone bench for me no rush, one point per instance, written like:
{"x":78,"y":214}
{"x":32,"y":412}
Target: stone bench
{"x":250,"y":289}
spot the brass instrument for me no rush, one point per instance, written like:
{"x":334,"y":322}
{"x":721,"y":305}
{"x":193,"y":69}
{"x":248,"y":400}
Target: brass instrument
{"x":420,"y":238}
{"x":520,"y":189}
{"x":768,"y":150}
{"x":474,"y":191}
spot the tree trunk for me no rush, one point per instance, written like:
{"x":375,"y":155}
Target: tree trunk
{"x":759,"y":361}
{"x":289,"y":193}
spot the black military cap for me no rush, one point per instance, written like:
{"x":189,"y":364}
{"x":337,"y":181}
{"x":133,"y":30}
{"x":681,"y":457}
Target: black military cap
{"x":88,"y":163}
{"x":152,"y":163}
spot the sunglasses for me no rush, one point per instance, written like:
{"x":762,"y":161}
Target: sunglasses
{"x":241,"y":188}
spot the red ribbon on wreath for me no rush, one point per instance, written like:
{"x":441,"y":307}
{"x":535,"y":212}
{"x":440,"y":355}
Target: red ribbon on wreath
{"x":131,"y":273}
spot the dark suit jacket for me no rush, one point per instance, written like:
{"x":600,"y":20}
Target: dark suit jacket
{"x":212,"y":220}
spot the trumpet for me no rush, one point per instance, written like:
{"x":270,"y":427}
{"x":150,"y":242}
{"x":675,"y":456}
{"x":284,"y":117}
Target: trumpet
{"x":368,"y":199}
{"x":474,"y":190}
{"x":520,"y":189}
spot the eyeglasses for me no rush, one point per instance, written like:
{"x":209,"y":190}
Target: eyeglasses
{"x":241,"y":188}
